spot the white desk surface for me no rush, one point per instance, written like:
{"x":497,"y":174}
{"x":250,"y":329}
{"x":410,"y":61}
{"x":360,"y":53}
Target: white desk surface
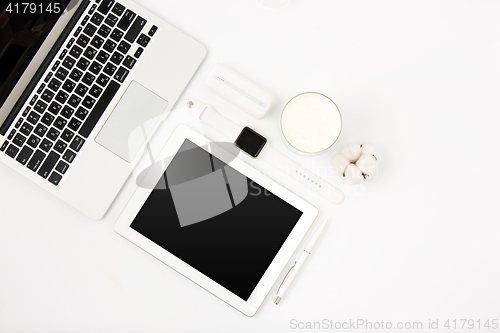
{"x":418,"y":242}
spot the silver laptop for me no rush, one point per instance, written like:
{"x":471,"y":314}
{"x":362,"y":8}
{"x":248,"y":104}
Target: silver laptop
{"x":83,"y":87}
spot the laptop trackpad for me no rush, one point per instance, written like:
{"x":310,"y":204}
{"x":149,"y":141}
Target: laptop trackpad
{"x":131,"y":121}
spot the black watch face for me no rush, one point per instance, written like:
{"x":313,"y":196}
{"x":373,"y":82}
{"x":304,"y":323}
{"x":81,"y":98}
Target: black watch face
{"x":250,"y":142}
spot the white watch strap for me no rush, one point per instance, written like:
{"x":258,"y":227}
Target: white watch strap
{"x":301,"y":174}
{"x":207,"y":115}
{"x":212,"y":118}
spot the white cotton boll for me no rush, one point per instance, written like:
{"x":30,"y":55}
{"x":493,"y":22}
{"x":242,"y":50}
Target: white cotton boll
{"x":340,"y":163}
{"x":351,"y":151}
{"x":367,"y":164}
{"x":353,"y":174}
{"x":368,"y":149}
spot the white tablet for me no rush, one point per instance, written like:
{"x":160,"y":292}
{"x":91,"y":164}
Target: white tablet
{"x":216,"y":220}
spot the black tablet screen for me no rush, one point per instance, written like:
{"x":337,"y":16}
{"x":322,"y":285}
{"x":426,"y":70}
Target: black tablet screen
{"x":218,"y":221}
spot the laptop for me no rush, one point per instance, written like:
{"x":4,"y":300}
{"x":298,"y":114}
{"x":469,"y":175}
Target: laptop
{"x":84,"y":84}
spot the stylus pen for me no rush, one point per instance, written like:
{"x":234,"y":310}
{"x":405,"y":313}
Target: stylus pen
{"x":290,"y":276}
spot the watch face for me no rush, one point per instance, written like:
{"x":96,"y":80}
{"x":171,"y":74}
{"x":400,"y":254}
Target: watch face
{"x":250,"y":142}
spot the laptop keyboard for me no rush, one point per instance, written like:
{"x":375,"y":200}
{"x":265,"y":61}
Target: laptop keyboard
{"x":76,"y":89}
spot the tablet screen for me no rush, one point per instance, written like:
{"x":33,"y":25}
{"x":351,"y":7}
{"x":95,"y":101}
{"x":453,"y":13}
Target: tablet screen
{"x":216,"y":220}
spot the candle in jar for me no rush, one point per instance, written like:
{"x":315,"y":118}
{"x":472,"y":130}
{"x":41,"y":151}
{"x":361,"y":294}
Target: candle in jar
{"x":310,"y":123}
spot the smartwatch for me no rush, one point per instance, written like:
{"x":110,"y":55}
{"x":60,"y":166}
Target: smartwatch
{"x":256,"y":145}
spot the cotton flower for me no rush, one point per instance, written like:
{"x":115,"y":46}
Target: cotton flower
{"x":356,"y":162}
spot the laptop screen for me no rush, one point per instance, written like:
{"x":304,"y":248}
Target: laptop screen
{"x":23,"y":29}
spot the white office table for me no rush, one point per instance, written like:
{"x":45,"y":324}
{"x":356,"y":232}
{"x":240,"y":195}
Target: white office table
{"x":419,"y":241}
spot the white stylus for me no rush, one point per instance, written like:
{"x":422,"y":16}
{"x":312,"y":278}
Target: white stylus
{"x":290,"y":276}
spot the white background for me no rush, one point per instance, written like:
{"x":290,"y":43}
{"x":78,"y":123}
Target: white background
{"x":419,"y":241}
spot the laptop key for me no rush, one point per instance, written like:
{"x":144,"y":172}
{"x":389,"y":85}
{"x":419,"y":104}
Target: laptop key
{"x":88,"y":79}
{"x":33,"y":99}
{"x":143,"y":40}
{"x":116,"y":35}
{"x":109,"y":45}
{"x":24,"y":155}
{"x":69,"y":62}
{"x":60,"y":123}
{"x":52,"y":134}
{"x":19,"y":140}
{"x":129,"y":62}
{"x":102,"y":57}
{"x":105,"y":6}
{"x":12,"y":151}
{"x":97,"y":19}
{"x":54,"y":84}
{"x":111,"y":20}
{"x":104,"y":31}
{"x":70,"y":42}
{"x":77,"y":32}
{"x":75,"y":51}
{"x":67,"y":135}
{"x":62,"y":167}
{"x":121,"y":74}
{"x":67,"y":112}
{"x":83,"y":40}
{"x":81,"y":113}
{"x":81,"y":90}
{"x":123,"y":47}
{"x":126,"y":20}
{"x":48,"y":165}
{"x":90,"y":29}
{"x":40,"y":89}
{"x":88,"y":102}
{"x":97,"y":42}
{"x":135,"y":29}
{"x":90,"y":52}
{"x":60,"y":146}
{"x":46,"y":145}
{"x":77,"y":143}
{"x":40,"y":106}
{"x":63,"y":54}
{"x":70,"y":85}
{"x":95,"y":91}
{"x":33,"y":117}
{"x":19,"y":122}
{"x":11,"y":135}
{"x":69,"y":156}
{"x":85,"y":20}
{"x":95,"y":67}
{"x":99,"y":109}
{"x":25,"y":112}
{"x":54,"y":107}
{"x":4,"y":145}
{"x":92,"y":9}
{"x":33,"y":141}
{"x":61,"y":73}
{"x":47,"y":95}
{"x":40,"y":130}
{"x":83,"y":63}
{"x":152,"y":30}
{"x":102,"y":80}
{"x":47,"y":77}
{"x":62,"y":96}
{"x":74,"y":124}
{"x":118,"y":9}
{"x":55,"y":178}
{"x":138,"y":53}
{"x":74,"y":100}
{"x":116,"y":58}
{"x":109,"y":69}
{"x":47,"y":119}
{"x":26,"y":128}
{"x":36,"y":160}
